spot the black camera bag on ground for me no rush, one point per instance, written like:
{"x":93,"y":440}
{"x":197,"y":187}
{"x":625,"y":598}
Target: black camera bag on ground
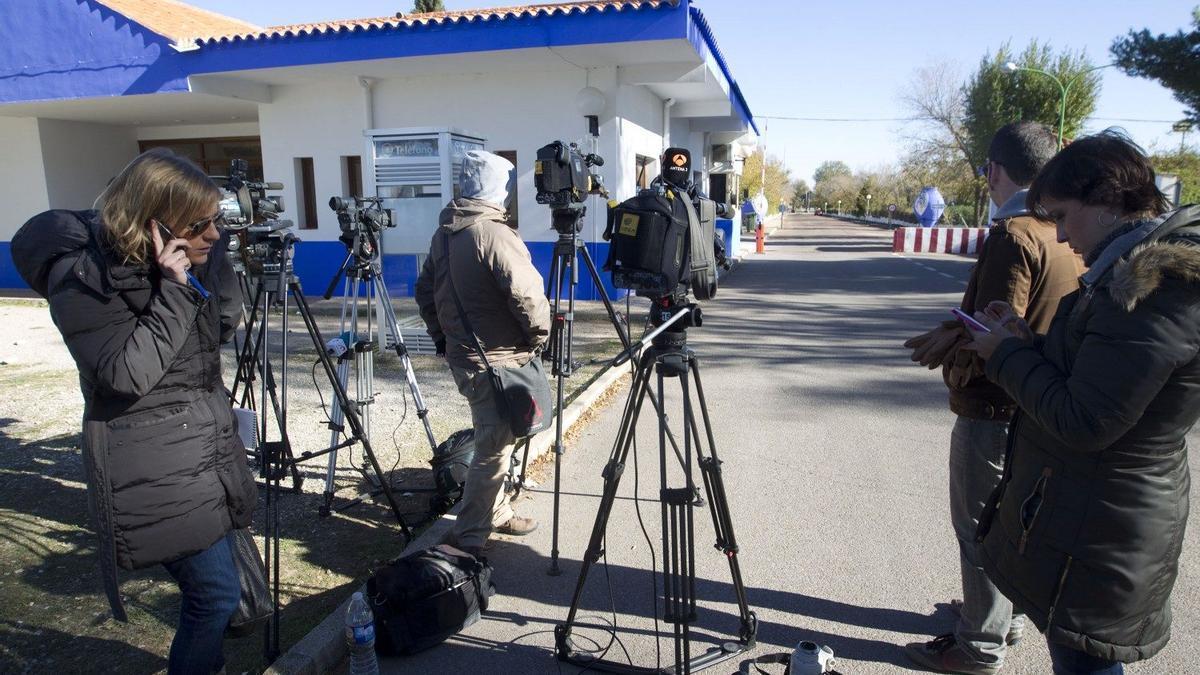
{"x":450,"y":463}
{"x":421,"y":599}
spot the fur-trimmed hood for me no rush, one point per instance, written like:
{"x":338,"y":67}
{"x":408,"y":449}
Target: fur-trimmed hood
{"x":1143,"y":271}
{"x":1172,"y":250}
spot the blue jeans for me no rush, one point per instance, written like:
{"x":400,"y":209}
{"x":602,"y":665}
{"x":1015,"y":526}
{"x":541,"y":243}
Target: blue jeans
{"x":1069,"y":661}
{"x":211,"y":591}
{"x":976,"y":467}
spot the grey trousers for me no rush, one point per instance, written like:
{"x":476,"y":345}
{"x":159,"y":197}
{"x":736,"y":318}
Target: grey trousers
{"x":484,"y":501}
{"x":976,"y":466}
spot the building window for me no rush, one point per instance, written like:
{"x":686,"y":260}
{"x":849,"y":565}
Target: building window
{"x":306,"y":193}
{"x":645,"y":165}
{"x":511,"y":155}
{"x":213,"y":154}
{"x":352,"y":176}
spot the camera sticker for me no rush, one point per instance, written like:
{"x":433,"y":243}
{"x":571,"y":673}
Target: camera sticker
{"x":629,"y":224}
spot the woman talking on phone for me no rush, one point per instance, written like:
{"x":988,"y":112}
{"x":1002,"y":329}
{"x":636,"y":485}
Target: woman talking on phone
{"x":143,"y":297}
{"x":1085,"y":530}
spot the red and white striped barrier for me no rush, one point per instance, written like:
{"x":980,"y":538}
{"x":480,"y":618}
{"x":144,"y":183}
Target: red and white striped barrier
{"x":962,"y":240}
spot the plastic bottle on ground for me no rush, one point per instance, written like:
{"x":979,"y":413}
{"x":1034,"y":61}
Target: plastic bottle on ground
{"x":360,"y":637}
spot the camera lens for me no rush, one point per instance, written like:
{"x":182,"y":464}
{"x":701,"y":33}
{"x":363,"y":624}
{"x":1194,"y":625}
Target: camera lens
{"x":338,"y":204}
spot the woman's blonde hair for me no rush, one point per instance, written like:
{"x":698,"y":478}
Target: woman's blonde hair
{"x":158,"y":185}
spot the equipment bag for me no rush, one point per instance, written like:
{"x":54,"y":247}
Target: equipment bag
{"x":254,"y":605}
{"x":450,"y":463}
{"x":649,"y":235}
{"x":423,"y":598}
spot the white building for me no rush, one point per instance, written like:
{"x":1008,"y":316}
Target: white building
{"x":85,"y":85}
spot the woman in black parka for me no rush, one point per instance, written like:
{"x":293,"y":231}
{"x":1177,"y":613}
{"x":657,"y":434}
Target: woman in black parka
{"x":144,"y":296}
{"x":1085,"y":530}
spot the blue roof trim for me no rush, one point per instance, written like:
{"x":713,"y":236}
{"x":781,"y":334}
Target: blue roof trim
{"x":479,"y":35}
{"x":705,"y":42}
{"x":68,"y":49}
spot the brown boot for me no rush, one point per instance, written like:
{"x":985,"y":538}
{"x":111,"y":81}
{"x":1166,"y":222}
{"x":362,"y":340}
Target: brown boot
{"x":518,"y":526}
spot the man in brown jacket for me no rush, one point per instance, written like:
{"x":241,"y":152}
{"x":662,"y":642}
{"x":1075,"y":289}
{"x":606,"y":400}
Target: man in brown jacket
{"x":1023,"y":264}
{"x":477,"y":254}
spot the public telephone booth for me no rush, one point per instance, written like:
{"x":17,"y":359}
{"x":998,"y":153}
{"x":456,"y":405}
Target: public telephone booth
{"x":416,"y":172}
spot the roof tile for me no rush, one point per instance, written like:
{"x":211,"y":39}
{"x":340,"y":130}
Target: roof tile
{"x":176,"y":20}
{"x":432,"y":18}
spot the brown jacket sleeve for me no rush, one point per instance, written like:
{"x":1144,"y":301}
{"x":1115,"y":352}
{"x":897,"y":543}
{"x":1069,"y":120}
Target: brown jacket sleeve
{"x":1006,"y":272}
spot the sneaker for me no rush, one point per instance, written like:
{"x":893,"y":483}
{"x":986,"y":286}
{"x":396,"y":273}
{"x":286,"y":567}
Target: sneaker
{"x":518,"y":527}
{"x":944,"y":655}
{"x":1015,"y":633}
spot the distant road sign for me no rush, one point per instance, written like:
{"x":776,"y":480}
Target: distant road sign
{"x":891,"y":208}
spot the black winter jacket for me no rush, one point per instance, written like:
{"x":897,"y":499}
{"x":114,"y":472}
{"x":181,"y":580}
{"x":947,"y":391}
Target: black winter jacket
{"x":1084,"y":532}
{"x":166,"y":475}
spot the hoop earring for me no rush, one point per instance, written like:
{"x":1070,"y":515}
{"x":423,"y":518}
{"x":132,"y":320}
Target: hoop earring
{"x":1100,"y":220}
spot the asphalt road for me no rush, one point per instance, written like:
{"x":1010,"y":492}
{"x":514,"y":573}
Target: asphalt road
{"x":834,"y":448}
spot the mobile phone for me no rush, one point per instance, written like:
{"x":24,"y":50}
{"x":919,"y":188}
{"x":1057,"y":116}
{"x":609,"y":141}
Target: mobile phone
{"x":969,"y":321}
{"x":192,"y":280}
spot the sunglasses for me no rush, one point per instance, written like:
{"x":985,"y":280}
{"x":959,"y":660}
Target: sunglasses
{"x":200,"y":226}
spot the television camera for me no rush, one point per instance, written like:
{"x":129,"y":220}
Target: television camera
{"x":664,"y":239}
{"x":563,"y":178}
{"x":261,"y":241}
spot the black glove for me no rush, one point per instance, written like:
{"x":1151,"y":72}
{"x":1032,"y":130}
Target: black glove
{"x":439,"y":347}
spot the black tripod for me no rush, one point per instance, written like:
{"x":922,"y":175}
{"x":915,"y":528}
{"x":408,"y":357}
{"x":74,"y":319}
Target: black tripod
{"x":669,"y":357}
{"x":564,"y":276}
{"x":253,"y":360}
{"x":275,"y":284}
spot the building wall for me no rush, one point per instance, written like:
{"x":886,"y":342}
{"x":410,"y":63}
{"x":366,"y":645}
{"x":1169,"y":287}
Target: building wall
{"x":235,"y":129}
{"x":22,"y":186}
{"x":519,"y":111}
{"x":80,"y":158}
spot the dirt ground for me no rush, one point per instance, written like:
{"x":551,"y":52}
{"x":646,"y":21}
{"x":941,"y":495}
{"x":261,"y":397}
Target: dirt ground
{"x":53,"y":615}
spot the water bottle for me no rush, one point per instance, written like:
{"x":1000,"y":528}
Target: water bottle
{"x":360,"y":637}
{"x":809,"y":658}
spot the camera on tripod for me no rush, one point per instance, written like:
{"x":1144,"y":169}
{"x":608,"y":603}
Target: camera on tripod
{"x":664,"y":239}
{"x":261,"y":241}
{"x":354,"y":213}
{"x":563,"y":178}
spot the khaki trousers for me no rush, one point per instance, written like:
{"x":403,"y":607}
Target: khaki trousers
{"x":484,"y":501}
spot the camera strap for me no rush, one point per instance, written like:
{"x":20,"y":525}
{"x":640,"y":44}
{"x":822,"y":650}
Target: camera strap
{"x":462,"y":313}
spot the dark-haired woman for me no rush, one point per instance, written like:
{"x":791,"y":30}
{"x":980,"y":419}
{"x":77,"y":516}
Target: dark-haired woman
{"x":143,"y":300}
{"x":1084,"y":533}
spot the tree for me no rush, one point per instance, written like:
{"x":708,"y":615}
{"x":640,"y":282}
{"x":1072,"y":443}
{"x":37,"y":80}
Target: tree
{"x":829,"y":169}
{"x":423,"y":6}
{"x":956,"y":120}
{"x":800,"y":190}
{"x":1173,"y":60}
{"x":778,"y":186}
{"x":1184,"y":163}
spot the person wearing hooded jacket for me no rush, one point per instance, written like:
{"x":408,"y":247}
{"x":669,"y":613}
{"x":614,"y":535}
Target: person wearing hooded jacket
{"x":143,"y":300}
{"x":504,"y":298}
{"x":1085,"y":529}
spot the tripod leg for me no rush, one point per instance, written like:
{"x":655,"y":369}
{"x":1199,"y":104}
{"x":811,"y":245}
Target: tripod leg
{"x":351,"y":416}
{"x":402,"y":351}
{"x":714,"y":487}
{"x":623,"y":334}
{"x":612,"y":473}
{"x":562,"y":369}
{"x":336,"y":428}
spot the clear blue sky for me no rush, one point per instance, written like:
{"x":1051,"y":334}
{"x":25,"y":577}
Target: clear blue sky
{"x":852,"y":58}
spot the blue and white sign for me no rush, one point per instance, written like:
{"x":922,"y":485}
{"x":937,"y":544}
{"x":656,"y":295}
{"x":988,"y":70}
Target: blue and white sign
{"x":929,"y":206}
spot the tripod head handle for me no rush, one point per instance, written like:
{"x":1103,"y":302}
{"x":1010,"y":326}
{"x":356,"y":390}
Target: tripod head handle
{"x":669,"y":315}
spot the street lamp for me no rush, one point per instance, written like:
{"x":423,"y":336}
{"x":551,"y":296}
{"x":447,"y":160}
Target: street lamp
{"x":868,"y":206}
{"x":1062,"y":106}
{"x":839,"y":207}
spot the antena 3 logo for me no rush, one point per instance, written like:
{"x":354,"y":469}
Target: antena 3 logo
{"x":679,"y":160}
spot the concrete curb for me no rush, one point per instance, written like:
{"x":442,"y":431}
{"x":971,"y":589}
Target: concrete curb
{"x":324,"y":648}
